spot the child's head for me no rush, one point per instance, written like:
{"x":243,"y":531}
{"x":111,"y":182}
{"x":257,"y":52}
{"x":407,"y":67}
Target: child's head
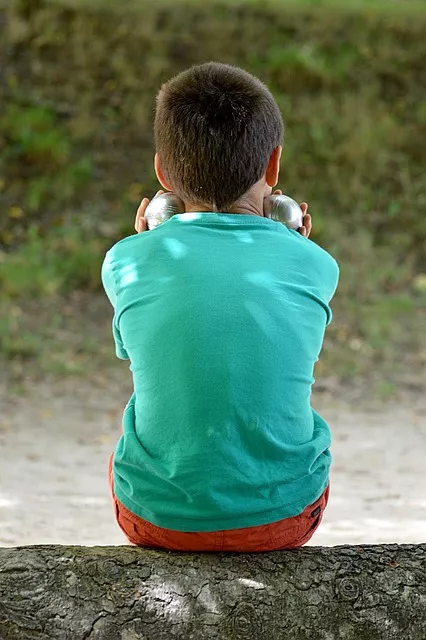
{"x":216,"y":129}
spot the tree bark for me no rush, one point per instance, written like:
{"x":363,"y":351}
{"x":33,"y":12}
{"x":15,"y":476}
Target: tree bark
{"x":127,"y":593}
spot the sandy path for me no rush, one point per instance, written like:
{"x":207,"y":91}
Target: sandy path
{"x":55,"y":442}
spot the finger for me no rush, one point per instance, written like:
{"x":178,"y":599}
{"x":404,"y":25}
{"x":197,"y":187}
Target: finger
{"x":142,"y":207}
{"x":278,"y":192}
{"x":307,"y":223}
{"x":141,"y":212}
{"x":143,"y":225}
{"x":303,"y":232}
{"x":159,"y":193}
{"x":304,"y":207}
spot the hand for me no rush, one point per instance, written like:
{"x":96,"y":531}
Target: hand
{"x":306,"y":229}
{"x":140,"y":221}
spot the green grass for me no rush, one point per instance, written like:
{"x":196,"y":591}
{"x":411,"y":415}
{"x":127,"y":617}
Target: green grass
{"x":61,"y":260}
{"x":41,"y":169}
{"x":55,"y":336}
{"x":387,"y":7}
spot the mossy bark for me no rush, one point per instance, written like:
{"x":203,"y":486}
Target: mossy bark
{"x":111,"y":593}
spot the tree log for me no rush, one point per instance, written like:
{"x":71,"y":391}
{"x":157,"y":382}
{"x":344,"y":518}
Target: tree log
{"x":127,"y":593}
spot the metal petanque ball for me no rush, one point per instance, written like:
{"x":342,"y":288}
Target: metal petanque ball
{"x":162,"y":208}
{"x":278,"y":207}
{"x":284,"y":209}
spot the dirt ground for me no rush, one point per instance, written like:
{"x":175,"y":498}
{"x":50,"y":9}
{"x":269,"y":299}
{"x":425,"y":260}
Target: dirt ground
{"x":55,"y":440}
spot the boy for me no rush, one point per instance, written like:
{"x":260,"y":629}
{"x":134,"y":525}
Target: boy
{"x":221,"y":312}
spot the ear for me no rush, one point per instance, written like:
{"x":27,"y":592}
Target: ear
{"x":160,"y":175}
{"x":273,"y":170}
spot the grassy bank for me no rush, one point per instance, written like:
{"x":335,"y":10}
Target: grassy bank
{"x":76,"y":151}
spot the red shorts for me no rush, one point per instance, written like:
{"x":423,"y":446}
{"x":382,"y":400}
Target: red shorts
{"x":289,"y":533}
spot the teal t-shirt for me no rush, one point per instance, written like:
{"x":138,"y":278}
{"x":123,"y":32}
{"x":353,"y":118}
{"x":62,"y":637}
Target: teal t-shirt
{"x":222,"y":317}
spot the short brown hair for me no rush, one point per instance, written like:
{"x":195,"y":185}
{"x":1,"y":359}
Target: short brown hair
{"x":215,"y":129}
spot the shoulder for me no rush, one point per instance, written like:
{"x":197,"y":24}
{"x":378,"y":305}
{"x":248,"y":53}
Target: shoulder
{"x":316,"y":255}
{"x":125,"y":246}
{"x":317,"y":264}
{"x":124,"y":252}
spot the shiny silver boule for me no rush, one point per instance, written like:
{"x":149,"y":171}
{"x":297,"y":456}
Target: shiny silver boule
{"x":161,"y":208}
{"x":284,"y":209}
{"x":280,"y":208}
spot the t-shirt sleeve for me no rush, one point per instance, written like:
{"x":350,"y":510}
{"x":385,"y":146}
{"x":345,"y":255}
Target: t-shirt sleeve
{"x":330,"y":280}
{"x":324,"y":275}
{"x":110,"y":287}
{"x":108,"y":280}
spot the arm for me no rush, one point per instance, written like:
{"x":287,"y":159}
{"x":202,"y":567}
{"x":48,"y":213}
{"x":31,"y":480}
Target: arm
{"x":109,"y":285}
{"x":108,"y":280}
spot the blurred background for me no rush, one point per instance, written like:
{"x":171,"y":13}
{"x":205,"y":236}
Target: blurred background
{"x":77,"y":97}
